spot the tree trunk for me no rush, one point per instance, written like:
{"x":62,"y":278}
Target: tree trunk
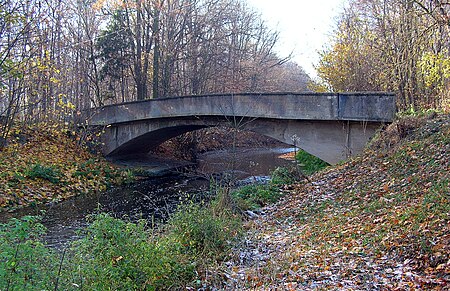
{"x":156,"y":51}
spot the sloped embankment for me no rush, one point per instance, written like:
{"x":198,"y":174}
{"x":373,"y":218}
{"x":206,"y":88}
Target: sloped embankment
{"x":378,"y":222}
{"x":44,"y":162}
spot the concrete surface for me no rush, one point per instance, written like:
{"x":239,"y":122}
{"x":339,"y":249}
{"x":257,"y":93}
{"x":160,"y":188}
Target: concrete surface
{"x":331,"y":126}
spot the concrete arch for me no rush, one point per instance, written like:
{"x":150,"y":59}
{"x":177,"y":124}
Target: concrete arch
{"x":331,"y":126}
{"x":330,"y":141}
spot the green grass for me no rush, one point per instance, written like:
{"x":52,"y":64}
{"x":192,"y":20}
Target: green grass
{"x":309,"y":163}
{"x":256,"y":196}
{"x":49,"y":173}
{"x":119,"y":254}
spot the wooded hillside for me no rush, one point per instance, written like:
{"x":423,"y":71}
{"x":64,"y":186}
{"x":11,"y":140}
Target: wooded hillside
{"x":58,"y":57}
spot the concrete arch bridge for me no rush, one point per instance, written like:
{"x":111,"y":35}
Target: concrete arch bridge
{"x":331,"y":126}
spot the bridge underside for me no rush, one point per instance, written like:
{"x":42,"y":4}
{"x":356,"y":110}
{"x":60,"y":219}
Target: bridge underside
{"x":332,"y":141}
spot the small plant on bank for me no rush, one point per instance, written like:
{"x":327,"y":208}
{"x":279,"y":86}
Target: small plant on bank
{"x":49,"y":173}
{"x":203,"y":231}
{"x":251,"y":197}
{"x":286,"y":175}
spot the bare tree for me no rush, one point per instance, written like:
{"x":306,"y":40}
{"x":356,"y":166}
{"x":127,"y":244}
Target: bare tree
{"x":393,"y":45}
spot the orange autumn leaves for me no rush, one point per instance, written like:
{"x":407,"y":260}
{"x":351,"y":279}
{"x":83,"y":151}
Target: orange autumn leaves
{"x":44,"y":163}
{"x":379,"y":222}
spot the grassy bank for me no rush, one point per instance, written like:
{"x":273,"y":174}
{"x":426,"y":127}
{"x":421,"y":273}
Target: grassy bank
{"x":44,"y":163}
{"x":377,"y":222}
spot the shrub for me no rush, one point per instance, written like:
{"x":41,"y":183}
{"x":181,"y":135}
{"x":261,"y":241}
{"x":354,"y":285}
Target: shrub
{"x":25,"y":263}
{"x":87,"y":169}
{"x":116,"y":254}
{"x":110,"y":254}
{"x":202,"y":232}
{"x":124,"y":256}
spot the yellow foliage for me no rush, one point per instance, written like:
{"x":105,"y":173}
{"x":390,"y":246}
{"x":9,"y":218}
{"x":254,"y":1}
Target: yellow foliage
{"x":435,"y":69}
{"x":67,"y":169}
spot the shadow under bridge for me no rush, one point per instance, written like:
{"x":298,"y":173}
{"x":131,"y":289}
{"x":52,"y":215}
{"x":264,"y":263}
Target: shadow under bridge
{"x":331,"y":126}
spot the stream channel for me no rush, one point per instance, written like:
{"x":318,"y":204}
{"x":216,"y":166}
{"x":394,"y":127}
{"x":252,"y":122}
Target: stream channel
{"x":155,"y":198}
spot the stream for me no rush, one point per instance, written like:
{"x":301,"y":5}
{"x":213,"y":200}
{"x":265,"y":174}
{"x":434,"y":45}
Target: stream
{"x":154,"y":198}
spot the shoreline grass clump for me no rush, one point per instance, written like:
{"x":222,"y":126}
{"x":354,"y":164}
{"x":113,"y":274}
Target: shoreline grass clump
{"x":252,"y":197}
{"x":308,"y":163}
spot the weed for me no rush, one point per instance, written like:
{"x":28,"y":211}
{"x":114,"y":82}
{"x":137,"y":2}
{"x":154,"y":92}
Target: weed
{"x":202,"y":232}
{"x":128,"y":176}
{"x":285,"y":175}
{"x":256,"y":196}
{"x":49,"y":173}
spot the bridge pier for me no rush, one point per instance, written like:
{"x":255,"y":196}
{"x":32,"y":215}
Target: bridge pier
{"x":330,"y":141}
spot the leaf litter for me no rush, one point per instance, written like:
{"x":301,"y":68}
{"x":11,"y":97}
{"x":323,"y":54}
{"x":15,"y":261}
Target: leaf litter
{"x":378,"y":222}
{"x":46,"y":162}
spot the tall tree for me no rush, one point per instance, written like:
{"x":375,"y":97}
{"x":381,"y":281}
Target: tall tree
{"x":114,"y":51}
{"x":388,"y":45}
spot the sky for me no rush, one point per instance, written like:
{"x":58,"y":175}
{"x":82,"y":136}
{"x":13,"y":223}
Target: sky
{"x":304,"y":26}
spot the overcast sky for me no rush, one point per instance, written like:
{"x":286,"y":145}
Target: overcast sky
{"x":304,"y":26}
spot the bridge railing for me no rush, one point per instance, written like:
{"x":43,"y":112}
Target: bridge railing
{"x":363,"y":106}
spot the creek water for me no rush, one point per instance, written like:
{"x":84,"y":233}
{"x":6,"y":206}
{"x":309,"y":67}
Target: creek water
{"x":154,"y":198}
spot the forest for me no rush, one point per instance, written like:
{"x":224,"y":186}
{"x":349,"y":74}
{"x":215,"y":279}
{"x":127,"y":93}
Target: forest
{"x":399,"y":46}
{"x":378,"y":221}
{"x":59,"y":57}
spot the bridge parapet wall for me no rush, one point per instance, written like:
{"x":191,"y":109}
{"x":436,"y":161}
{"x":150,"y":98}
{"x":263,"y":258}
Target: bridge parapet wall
{"x":289,"y":106}
{"x":330,"y":126}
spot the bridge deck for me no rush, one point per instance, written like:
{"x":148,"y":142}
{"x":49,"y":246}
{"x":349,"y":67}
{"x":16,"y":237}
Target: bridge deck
{"x":315,"y":120}
{"x":367,"y":106}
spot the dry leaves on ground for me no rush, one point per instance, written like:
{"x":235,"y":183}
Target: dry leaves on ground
{"x":379,"y":222}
